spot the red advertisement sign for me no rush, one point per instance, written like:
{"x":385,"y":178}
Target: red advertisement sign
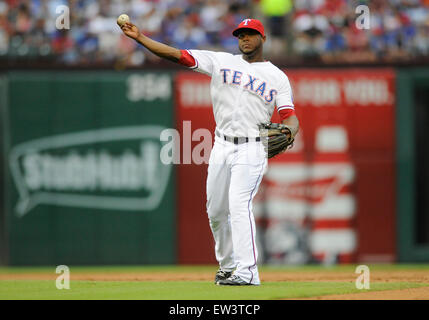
{"x":330,"y":199}
{"x":193,"y":112}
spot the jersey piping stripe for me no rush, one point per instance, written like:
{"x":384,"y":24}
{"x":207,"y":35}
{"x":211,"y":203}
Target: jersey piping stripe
{"x":196,"y":61}
{"x":250,"y":220}
{"x":285,"y":107}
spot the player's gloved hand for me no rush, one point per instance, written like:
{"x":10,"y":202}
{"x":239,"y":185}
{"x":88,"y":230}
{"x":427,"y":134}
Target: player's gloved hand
{"x":279,"y":138}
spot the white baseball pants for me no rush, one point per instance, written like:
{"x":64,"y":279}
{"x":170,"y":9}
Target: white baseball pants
{"x":234,"y":174}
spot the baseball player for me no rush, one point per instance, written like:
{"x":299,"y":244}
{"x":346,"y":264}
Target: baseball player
{"x":245,"y":89}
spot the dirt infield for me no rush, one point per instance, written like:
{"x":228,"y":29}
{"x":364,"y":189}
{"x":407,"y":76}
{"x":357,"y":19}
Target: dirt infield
{"x":404,"y":294}
{"x":417,"y":276}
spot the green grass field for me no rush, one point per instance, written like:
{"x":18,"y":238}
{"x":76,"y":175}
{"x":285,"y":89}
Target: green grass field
{"x":13,"y":286}
{"x":180,"y":290}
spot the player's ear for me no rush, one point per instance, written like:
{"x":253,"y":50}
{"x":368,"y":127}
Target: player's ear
{"x":264,"y":38}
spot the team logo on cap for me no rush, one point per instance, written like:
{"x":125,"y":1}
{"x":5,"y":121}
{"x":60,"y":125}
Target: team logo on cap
{"x":249,"y":24}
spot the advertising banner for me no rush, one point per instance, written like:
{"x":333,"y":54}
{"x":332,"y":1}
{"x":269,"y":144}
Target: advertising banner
{"x":195,"y":122}
{"x":329,"y":199}
{"x":85,"y":180}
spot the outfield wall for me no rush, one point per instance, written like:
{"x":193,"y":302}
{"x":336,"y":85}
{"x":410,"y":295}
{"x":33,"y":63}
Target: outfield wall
{"x":412,"y":163}
{"x":326,"y":199}
{"x":84,"y":183}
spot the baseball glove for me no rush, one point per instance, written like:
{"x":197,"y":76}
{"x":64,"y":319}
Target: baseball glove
{"x":279,"y":138}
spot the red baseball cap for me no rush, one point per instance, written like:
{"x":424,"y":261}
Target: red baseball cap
{"x":249,"y":24}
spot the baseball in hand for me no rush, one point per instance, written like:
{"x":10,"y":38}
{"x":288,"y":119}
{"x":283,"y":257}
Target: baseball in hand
{"x":123,"y":18}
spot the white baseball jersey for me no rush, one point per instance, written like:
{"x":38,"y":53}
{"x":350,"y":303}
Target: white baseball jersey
{"x":243,"y":94}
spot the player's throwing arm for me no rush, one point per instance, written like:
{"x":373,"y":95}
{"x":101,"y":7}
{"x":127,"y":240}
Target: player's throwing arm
{"x":160,"y":49}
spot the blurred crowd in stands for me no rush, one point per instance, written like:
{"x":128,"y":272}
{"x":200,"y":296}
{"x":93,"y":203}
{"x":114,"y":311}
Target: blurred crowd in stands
{"x":322,"y":30}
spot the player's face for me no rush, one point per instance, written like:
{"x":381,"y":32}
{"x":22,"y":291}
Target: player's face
{"x":249,"y":41}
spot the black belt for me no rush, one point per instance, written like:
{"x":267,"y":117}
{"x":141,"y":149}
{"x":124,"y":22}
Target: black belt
{"x":237,"y":140}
